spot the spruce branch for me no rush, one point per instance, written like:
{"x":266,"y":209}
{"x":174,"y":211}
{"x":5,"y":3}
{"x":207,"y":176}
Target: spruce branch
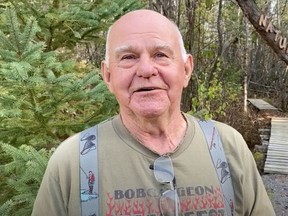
{"x":13,"y":22}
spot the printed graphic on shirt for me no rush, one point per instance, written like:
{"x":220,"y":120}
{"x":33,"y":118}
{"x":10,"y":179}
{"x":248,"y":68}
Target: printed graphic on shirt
{"x":199,"y":200}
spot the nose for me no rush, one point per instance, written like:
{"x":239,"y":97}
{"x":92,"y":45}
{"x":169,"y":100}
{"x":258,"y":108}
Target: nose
{"x":146,"y":68}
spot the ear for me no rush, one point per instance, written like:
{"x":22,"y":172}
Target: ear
{"x":188,"y":66}
{"x":106,"y":75}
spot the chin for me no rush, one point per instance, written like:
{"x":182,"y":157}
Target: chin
{"x":150,"y":108}
{"x":149,"y":113}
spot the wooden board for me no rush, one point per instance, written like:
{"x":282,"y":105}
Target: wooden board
{"x":277,"y":153}
{"x":261,"y":104}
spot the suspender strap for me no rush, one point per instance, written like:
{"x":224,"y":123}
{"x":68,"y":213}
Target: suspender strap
{"x":220,"y":163}
{"x":89,"y":181}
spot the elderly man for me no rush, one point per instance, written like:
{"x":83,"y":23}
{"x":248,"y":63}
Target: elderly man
{"x":152,"y":158}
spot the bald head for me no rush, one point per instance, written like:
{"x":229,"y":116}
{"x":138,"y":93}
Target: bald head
{"x":143,"y":19}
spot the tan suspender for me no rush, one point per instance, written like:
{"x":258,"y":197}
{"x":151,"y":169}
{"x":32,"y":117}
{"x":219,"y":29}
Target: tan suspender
{"x":89,"y":178}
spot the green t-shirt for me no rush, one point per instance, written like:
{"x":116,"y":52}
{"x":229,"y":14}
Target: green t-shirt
{"x":127,"y":185}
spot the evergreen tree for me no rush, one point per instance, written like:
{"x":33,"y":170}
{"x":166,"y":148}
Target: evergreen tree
{"x":27,"y":166}
{"x":43,"y":100}
{"x":45,"y":95}
{"x":66,"y":23}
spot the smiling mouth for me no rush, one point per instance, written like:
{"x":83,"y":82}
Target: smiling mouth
{"x":146,"y":89}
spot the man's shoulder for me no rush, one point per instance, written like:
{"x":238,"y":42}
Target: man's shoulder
{"x":229,"y":135}
{"x":66,"y":151}
{"x":221,"y":126}
{"x":224,"y":128}
{"x":70,"y":146}
{"x":231,"y":138}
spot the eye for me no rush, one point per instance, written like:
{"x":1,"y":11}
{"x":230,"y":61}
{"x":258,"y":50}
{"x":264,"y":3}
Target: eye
{"x":160,"y":55}
{"x":128,"y":57}
{"x":127,"y":60}
{"x":162,"y":58}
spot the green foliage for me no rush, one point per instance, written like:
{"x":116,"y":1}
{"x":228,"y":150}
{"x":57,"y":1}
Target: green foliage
{"x":212,"y":99}
{"x":66,"y":23}
{"x":45,"y":95}
{"x":259,"y":158}
{"x":24,"y":174}
{"x":209,"y":4}
{"x":44,"y":100}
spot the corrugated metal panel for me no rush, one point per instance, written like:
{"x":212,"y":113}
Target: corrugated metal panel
{"x":261,"y":104}
{"x":277,"y":154}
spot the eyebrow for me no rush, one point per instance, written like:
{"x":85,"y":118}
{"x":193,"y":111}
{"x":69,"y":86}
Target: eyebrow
{"x":122,"y":49}
{"x":164,"y":47}
{"x":131,"y":48}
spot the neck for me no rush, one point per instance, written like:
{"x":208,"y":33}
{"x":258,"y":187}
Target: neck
{"x":161,"y":135}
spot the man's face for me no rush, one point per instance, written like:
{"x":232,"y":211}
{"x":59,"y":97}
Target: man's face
{"x":146,"y":69}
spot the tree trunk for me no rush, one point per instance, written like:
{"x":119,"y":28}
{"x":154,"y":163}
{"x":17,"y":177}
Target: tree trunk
{"x":189,"y":37}
{"x":246,"y":67}
{"x":245,"y":93}
{"x":253,"y":14}
{"x":220,"y":45}
{"x":167,"y":8}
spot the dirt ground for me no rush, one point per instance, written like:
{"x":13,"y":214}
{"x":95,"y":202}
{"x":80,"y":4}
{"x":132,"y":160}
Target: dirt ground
{"x":277,"y":189}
